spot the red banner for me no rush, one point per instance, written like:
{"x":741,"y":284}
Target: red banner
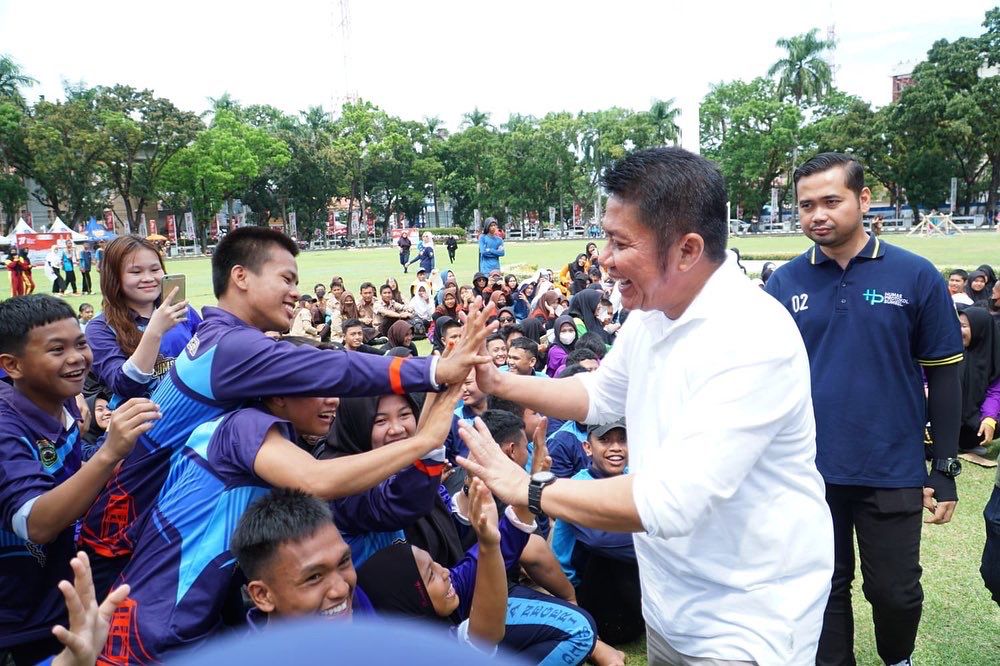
{"x":172,"y":228}
{"x":109,"y":220}
{"x":38,"y":245}
{"x":152,"y":226}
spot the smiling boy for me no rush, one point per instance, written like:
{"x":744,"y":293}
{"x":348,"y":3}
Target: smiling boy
{"x":44,"y":486}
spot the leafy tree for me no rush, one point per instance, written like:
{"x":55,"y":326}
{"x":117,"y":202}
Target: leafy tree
{"x":63,"y":147}
{"x":143,"y":134}
{"x":751,"y":133}
{"x":221,"y":162}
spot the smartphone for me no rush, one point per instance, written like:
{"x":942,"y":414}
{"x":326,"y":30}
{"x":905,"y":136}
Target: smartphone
{"x":169,"y":282}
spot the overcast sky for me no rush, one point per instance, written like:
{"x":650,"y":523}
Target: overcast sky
{"x":443,"y":57}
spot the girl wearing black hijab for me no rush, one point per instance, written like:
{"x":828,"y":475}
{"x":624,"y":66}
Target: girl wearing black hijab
{"x":980,"y":380}
{"x":534,"y":330}
{"x":977,"y":288}
{"x":404,"y":580}
{"x":578,"y":279}
{"x":583,"y":307}
{"x":409,"y":507}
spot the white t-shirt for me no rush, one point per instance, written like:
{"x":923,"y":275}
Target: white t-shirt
{"x":737,"y":555}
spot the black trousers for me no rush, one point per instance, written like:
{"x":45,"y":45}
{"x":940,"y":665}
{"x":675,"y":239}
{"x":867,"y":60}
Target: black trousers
{"x":451,"y":255}
{"x":70,"y":281}
{"x":887,"y":522}
{"x":86,"y":287}
{"x":609,"y":590}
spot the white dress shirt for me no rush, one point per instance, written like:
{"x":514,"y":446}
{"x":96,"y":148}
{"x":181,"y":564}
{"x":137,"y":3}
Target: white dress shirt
{"x":737,"y":554}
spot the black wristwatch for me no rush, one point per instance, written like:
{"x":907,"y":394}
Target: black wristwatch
{"x":538,"y":481}
{"x":950,"y":467}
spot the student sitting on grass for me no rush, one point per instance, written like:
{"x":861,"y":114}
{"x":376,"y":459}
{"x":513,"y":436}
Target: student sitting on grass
{"x":602,"y":565}
{"x":44,"y":486}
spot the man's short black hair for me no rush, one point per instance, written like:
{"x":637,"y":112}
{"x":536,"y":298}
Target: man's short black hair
{"x":594,"y":342}
{"x":677,"y":192}
{"x":570,"y":370}
{"x":527,"y":345}
{"x":20,"y":314}
{"x":494,"y":338}
{"x":319,"y":284}
{"x":503,"y":426}
{"x":383,"y":288}
{"x":854,"y":173}
{"x":580,"y":354}
{"x":495,"y":403}
{"x":961,"y":272}
{"x":509,"y":330}
{"x":454,"y":323}
{"x":281,"y":516}
{"x":365,"y":285}
{"x":249,"y":247}
{"x":350,"y":323}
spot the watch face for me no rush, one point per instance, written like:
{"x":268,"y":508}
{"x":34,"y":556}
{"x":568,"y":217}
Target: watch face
{"x":543,"y":477}
{"x":955,"y":468}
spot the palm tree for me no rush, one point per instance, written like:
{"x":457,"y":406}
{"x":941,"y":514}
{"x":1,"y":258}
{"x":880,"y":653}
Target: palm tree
{"x":476,"y":118}
{"x":663,"y":115}
{"x":804,"y":74}
{"x":12,"y":78}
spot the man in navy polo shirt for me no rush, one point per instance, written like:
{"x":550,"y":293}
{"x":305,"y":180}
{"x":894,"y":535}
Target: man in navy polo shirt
{"x":872,"y":315}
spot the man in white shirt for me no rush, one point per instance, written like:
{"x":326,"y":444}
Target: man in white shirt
{"x":733,"y":535}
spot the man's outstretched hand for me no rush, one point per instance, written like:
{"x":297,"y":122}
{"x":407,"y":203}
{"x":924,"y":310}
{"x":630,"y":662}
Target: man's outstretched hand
{"x":88,"y":622}
{"x":469,"y":351}
{"x":488,"y":462}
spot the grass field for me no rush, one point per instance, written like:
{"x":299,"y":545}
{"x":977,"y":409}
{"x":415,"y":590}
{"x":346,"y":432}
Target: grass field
{"x":960,"y":626}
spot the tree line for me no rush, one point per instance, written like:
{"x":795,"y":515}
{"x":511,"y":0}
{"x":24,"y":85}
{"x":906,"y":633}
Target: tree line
{"x":106,"y":141}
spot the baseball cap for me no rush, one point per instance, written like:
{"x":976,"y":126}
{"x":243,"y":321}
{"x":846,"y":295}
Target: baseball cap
{"x":602,"y":430}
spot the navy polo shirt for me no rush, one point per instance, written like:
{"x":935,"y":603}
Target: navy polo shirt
{"x":868,"y":330}
{"x":37,"y":453}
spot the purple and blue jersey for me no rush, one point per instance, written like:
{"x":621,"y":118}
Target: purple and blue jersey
{"x":181,"y":567}
{"x":109,"y":359}
{"x":226,"y":364}
{"x":37,"y":453}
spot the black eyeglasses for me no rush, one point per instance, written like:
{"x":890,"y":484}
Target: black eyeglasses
{"x":505,"y":319}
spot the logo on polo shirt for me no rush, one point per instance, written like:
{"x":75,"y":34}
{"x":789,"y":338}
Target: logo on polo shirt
{"x":884,"y":298}
{"x":47,"y":452}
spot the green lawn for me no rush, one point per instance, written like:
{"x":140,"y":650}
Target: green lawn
{"x":961,"y":625}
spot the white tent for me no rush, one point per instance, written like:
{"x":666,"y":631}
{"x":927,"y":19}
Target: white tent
{"x":21,"y":227}
{"x":58,"y":226}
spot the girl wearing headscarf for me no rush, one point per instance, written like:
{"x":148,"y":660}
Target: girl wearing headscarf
{"x":577,"y":271}
{"x":991,"y":276}
{"x":563,"y":341}
{"x":976,"y":288}
{"x":449,"y":280}
{"x":449,"y":306}
{"x":412,"y":507}
{"x":546,"y":308}
{"x":400,"y":334}
{"x":534,"y":330}
{"x":422,"y":305}
{"x":980,"y":380}
{"x":348,"y":307}
{"x":521,"y":300}
{"x":510,"y":284}
{"x":499,"y":299}
{"x":583,"y":308}
{"x":539,"y":629}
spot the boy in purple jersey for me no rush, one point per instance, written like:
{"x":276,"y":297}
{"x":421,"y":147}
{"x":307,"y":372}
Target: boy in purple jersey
{"x":230,"y":361}
{"x":44,"y":487}
{"x":181,"y":567}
